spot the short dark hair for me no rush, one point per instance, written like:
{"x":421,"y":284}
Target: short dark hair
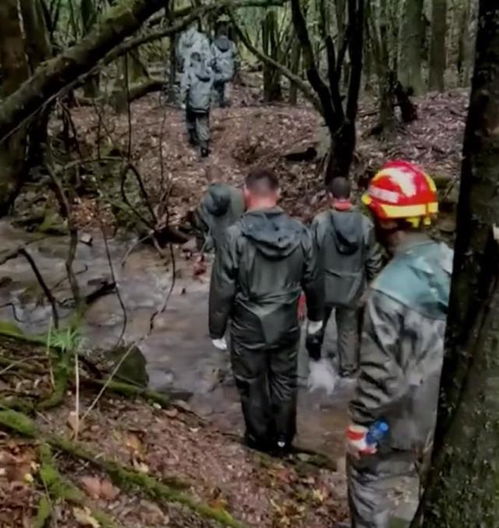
{"x":340,"y":188}
{"x":262,"y":181}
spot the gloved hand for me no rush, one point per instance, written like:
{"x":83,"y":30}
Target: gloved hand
{"x":356,"y":441}
{"x":182,"y":106}
{"x":220,"y":344}
{"x":322,"y":376}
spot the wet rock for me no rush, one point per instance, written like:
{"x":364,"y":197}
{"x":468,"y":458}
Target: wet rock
{"x":133,"y":368}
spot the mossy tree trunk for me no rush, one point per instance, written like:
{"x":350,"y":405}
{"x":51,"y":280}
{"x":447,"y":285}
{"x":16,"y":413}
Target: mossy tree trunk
{"x":464,"y":488}
{"x":411,"y":40}
{"x":15,"y":70}
{"x":438,"y":50}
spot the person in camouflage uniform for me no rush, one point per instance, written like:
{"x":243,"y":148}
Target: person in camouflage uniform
{"x":196,"y":86}
{"x":225,"y":63}
{"x":192,"y":41}
{"x":348,"y":256}
{"x":402,"y":348}
{"x":220,"y":207}
{"x":265,"y":260}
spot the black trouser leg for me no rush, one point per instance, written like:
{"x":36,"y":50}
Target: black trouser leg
{"x":283,"y":385}
{"x":190,"y":121}
{"x":250,"y":370}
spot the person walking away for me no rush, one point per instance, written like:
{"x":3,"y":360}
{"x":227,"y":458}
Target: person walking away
{"x":402,"y":348}
{"x":349,"y":257}
{"x":220,"y":207}
{"x":197,"y":83}
{"x":225,"y":63}
{"x":192,"y":41}
{"x":264,"y":261}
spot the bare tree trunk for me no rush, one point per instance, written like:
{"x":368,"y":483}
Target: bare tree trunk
{"x":295,"y":69}
{"x":411,"y":40}
{"x":271,"y":77}
{"x":438,"y":50}
{"x":15,"y":71}
{"x":463,"y":489}
{"x":38,"y":49}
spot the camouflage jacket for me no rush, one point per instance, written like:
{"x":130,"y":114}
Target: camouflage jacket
{"x":403,"y":344}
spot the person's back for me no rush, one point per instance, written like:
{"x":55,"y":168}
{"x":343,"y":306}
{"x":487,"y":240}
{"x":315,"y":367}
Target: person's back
{"x":192,"y":41}
{"x":224,"y":55}
{"x":197,"y":84}
{"x":264,"y":261}
{"x":220,"y":207}
{"x":348,"y":258}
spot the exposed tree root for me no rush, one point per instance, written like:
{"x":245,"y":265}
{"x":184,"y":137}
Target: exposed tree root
{"x":125,"y":478}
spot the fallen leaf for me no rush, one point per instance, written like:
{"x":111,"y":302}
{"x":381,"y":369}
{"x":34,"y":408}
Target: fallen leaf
{"x":92,"y":486}
{"x":108,"y":491}
{"x":74,"y":422}
{"x":84,"y":517}
{"x":140,"y":466}
{"x":133,"y":442}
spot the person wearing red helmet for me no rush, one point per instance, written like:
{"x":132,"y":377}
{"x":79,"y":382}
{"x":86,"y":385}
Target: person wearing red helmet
{"x":402,"y":349}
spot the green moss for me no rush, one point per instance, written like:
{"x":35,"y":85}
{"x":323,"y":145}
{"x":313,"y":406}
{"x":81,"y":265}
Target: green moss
{"x":43,"y":513}
{"x":61,"y":379}
{"x":18,"y":423}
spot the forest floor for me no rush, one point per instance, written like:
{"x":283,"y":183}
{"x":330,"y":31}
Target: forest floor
{"x":253,"y":134}
{"x":135,"y":464}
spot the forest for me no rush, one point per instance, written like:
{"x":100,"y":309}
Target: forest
{"x":115,"y":410}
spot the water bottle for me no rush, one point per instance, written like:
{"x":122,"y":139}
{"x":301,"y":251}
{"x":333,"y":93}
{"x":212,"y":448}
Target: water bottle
{"x":376,"y":433}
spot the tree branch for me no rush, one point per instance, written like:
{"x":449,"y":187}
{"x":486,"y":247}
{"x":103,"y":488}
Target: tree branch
{"x":77,"y":60}
{"x":313,"y":74}
{"x":295,"y":79}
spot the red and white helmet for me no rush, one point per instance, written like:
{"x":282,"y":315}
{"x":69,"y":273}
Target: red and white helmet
{"x":402,"y":190}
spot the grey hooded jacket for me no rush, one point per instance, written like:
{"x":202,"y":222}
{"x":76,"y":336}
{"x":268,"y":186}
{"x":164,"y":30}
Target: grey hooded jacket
{"x":264,"y":262}
{"x":196,"y":86}
{"x":348,"y":255}
{"x":220,"y":207}
{"x":189,"y":42}
{"x":403,"y":344}
{"x":224,"y":57}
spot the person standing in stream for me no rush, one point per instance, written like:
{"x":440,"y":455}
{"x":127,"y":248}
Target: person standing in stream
{"x":349,"y":257}
{"x":261,"y":267}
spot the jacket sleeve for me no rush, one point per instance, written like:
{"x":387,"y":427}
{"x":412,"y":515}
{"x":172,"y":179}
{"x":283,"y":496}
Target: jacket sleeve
{"x":374,"y":254}
{"x":382,"y":382}
{"x":223,"y":286}
{"x":312,"y":281}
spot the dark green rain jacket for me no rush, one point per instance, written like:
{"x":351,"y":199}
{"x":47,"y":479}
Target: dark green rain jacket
{"x":264,"y":262}
{"x":220,"y":207}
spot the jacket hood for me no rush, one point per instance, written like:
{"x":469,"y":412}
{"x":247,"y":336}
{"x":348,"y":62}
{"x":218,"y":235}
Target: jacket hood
{"x":217,"y":201}
{"x":275,"y":235}
{"x":201,"y":70}
{"x":347,"y":227}
{"x":190,"y":37}
{"x":222,"y":43}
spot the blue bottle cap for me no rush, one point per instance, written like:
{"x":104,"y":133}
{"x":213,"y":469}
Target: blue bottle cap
{"x":383,"y":426}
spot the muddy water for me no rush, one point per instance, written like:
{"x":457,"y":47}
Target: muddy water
{"x":178,"y":352}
